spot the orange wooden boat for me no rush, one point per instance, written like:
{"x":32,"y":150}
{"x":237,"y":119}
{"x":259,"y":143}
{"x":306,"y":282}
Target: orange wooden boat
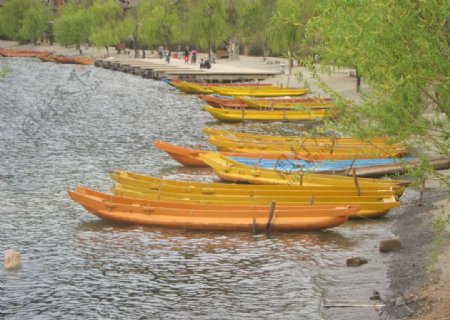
{"x":191,"y":157}
{"x":74,"y":60}
{"x":222,"y":102}
{"x":47,"y":58}
{"x":23,"y":53}
{"x":211,"y":216}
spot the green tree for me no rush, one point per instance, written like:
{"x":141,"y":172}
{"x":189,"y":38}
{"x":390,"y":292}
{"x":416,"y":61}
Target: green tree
{"x":73,"y":26}
{"x":401,"y":49}
{"x":255,"y":17}
{"x":208,"y":23}
{"x":106,"y":23}
{"x":288,"y":27}
{"x":162,"y":24}
{"x":35,"y":22}
{"x":23,"y":19}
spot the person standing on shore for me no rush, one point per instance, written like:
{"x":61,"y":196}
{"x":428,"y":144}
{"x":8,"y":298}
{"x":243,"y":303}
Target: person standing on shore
{"x":168,"y":55}
{"x":186,"y":56}
{"x":194,"y":56}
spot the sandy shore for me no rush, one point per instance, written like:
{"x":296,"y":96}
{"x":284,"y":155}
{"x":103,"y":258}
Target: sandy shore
{"x":419,"y":282}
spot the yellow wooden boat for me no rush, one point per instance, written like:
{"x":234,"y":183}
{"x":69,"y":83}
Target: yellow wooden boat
{"x":260,"y":92}
{"x":310,"y":146}
{"x":370,"y":207}
{"x":144,"y":182}
{"x":257,"y":137}
{"x":233,"y":115}
{"x":190,"y":87}
{"x":374,"y":201}
{"x":293,"y":103}
{"x":230,"y":170}
{"x":231,"y":217}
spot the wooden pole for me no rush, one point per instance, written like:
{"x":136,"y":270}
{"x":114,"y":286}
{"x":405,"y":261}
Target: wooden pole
{"x":422,"y":189}
{"x":271,"y":216}
{"x":355,"y":179}
{"x":351,"y":167}
{"x":333,"y":142}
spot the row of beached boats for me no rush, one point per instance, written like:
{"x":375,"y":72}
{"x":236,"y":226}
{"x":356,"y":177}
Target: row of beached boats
{"x":273,"y":181}
{"x":46,"y":56}
{"x":266,"y":149}
{"x":258,"y":102}
{"x":282,"y":190}
{"x":275,"y":200}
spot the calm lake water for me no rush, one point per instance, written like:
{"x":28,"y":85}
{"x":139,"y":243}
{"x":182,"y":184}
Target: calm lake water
{"x":63,"y":126}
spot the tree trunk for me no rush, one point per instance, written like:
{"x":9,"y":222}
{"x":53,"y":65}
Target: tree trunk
{"x":265,"y":50}
{"x":291,"y":64}
{"x":209,"y":49}
{"x":358,"y":81}
{"x":234,"y":46}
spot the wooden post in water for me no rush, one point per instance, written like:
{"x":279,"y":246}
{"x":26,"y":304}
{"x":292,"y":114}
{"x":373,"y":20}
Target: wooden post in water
{"x":422,"y":189}
{"x":254,"y":225}
{"x":355,"y":179}
{"x":271,"y":216}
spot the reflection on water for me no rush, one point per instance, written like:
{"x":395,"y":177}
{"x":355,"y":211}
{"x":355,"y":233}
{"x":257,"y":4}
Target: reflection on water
{"x":62,"y":126}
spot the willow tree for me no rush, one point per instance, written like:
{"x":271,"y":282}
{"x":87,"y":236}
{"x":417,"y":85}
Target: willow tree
{"x":23,"y":19}
{"x":208,"y":23}
{"x":132,"y":24}
{"x":73,"y":27}
{"x":401,"y":48}
{"x":255,"y":17}
{"x":288,"y":27}
{"x":106,"y":23}
{"x":162,"y":25}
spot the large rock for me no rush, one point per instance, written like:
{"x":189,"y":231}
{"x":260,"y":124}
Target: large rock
{"x":12,"y":260}
{"x":389,"y":245}
{"x":356,"y":261}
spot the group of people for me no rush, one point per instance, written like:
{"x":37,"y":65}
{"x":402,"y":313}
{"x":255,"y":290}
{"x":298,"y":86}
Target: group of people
{"x":193,"y":56}
{"x":164,"y":53}
{"x":204,"y":64}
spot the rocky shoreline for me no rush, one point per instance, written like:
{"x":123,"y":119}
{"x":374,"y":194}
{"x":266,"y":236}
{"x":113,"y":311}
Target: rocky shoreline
{"x":418,"y":284}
